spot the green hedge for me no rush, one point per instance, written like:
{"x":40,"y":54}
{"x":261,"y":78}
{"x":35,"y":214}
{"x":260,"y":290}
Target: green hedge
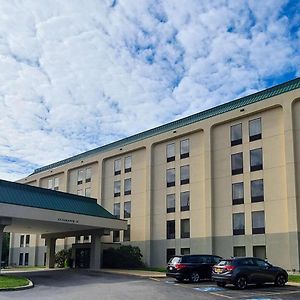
{"x":123,"y":257}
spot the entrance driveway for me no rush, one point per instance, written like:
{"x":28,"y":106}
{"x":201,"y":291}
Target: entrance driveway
{"x":89,"y":285}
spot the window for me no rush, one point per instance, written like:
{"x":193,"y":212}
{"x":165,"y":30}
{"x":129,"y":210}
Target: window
{"x":184,"y":149}
{"x":80,"y":192}
{"x":170,"y":177}
{"x":77,"y":239}
{"x":185,"y":251}
{"x":86,"y":237}
{"x":56,"y":184}
{"x":185,"y":228}
{"x":184,"y":201}
{"x":127,"y":164}
{"x":116,"y":236}
{"x":258,"y":222}
{"x":117,"y":188}
{"x":260,"y":252}
{"x":21,"y":259}
{"x":26,"y":259}
{"x":127,"y":209}
{"x":170,"y":203}
{"x":127,"y":186}
{"x":117,"y":166}
{"x":171,"y":229}
{"x":238,"y":193}
{"x":236,"y":134}
{"x":22,"y":240}
{"x":255,"y":129}
{"x":256,"y":160}
{"x":257,"y":190}
{"x":45,"y":258}
{"x":239,"y":251}
{"x":27,"y":240}
{"x":170,"y":152}
{"x":88,"y":192}
{"x":170,"y":253}
{"x":238,"y":224}
{"x":88,"y":175}
{"x":185,"y":174}
{"x":50,"y":184}
{"x":237,"y":163}
{"x":117,"y":210}
{"x":126,"y":236}
{"x":80,"y":177}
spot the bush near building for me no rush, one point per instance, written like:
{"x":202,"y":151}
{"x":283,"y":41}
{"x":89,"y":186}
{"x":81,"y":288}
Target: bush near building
{"x":125,"y":257}
{"x":63,"y":258}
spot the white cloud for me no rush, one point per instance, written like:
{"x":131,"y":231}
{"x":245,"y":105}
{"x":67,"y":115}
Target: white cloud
{"x":78,"y":75}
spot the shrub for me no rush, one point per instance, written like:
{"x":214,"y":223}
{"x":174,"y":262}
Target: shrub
{"x":63,"y":258}
{"x":123,"y":257}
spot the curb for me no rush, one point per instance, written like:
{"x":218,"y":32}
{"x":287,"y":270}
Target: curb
{"x":143,"y":275}
{"x":18,"y":288}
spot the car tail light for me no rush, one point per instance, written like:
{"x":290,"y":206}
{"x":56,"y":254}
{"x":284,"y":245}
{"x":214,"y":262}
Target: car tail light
{"x":229,"y":268}
{"x":180,"y":266}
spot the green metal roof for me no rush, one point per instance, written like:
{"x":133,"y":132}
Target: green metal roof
{"x":26,"y":195}
{"x":223,"y":108}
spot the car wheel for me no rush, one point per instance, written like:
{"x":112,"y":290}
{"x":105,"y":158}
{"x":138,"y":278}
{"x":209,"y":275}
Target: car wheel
{"x":194,"y":277}
{"x":280,"y":280}
{"x":179,"y":279}
{"x":221,"y":284}
{"x":241,"y":283}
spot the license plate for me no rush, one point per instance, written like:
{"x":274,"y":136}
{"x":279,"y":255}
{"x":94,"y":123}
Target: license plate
{"x":218,"y":270}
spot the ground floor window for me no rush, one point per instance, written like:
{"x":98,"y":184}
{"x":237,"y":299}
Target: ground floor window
{"x":260,"y":252}
{"x":170,"y":253}
{"x":185,"y":251}
{"x":26,"y":259}
{"x":239,"y":251}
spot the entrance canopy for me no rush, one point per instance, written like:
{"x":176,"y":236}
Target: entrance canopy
{"x":29,"y":209}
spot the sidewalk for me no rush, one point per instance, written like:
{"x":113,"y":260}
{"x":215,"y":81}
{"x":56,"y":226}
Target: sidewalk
{"x":140,"y":273}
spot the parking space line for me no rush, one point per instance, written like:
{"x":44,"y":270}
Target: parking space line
{"x":221,"y":295}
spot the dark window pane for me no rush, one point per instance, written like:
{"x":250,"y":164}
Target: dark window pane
{"x":126,"y":235}
{"x":117,"y":188}
{"x":237,"y":193}
{"x":185,"y":228}
{"x":170,"y":152}
{"x":258,"y":222}
{"x":184,"y":149}
{"x":117,"y":210}
{"x":127,"y":164}
{"x":116,"y":236}
{"x":238,"y":224}
{"x":171,"y":229}
{"x":127,"y":186}
{"x":170,"y":254}
{"x":257,"y":190}
{"x":185,"y":251}
{"x":256,"y":159}
{"x":127,"y":209}
{"x":236,"y":134}
{"x":255,"y":129}
{"x":185,"y":201}
{"x":170,"y":203}
{"x":185,"y":174}
{"x":237,"y":163}
{"x":170,"y":177}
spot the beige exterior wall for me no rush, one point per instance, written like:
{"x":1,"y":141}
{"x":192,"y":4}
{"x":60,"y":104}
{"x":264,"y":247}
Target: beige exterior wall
{"x":210,"y":186}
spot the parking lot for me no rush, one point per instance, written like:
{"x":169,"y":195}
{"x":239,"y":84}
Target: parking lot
{"x":211,"y":291}
{"x":86,"y":285}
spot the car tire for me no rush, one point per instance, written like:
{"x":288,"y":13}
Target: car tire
{"x":180,"y":279}
{"x":280,"y":280}
{"x":241,"y":282}
{"x":194,"y":277}
{"x":220,"y":284}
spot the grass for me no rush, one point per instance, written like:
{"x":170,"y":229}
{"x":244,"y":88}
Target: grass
{"x":294,"y":278}
{"x":12,"y":281}
{"x":162,"y":270}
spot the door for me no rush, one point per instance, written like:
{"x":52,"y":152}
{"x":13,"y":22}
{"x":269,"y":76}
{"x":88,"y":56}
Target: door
{"x":82,"y":258}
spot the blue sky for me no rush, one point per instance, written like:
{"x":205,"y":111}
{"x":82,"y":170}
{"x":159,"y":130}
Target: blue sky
{"x":77,"y":75}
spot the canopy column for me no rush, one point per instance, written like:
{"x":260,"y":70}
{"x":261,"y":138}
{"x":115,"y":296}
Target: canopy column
{"x":50,"y":256}
{"x":95,"y":254}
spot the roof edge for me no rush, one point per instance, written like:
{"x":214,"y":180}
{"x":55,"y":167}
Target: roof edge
{"x":217,"y":110}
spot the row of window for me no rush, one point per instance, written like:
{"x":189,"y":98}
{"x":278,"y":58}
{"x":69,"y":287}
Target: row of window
{"x":24,"y":240}
{"x":53,"y":184}
{"x":126,"y":235}
{"x":127,"y":187}
{"x":126,"y":211}
{"x":184,"y":150}
{"x":236,"y":132}
{"x":258,"y":223}
{"x":184,"y":176}
{"x":184,"y":202}
{"x":84,"y":175}
{"x":256,"y":161}
{"x":184,"y":229}
{"x":257,"y":191}
{"x":84,"y":192}
{"x":118,"y":165}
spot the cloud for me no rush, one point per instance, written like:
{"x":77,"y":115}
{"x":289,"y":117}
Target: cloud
{"x":76,"y":76}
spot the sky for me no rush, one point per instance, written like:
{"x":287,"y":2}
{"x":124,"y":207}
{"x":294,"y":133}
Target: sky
{"x":76,"y":75}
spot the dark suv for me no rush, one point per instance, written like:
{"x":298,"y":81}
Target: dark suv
{"x":191,"y":267}
{"x":243,"y":270}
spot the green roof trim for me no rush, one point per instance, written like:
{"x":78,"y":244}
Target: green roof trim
{"x":31,"y":196}
{"x":220,"y":109}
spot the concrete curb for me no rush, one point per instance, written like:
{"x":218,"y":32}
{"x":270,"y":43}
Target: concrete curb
{"x":143,"y":274}
{"x":18,"y":288}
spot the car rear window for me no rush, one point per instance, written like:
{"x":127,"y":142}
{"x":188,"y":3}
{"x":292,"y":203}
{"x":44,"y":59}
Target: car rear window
{"x":228,"y":262}
{"x":175,"y":260}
